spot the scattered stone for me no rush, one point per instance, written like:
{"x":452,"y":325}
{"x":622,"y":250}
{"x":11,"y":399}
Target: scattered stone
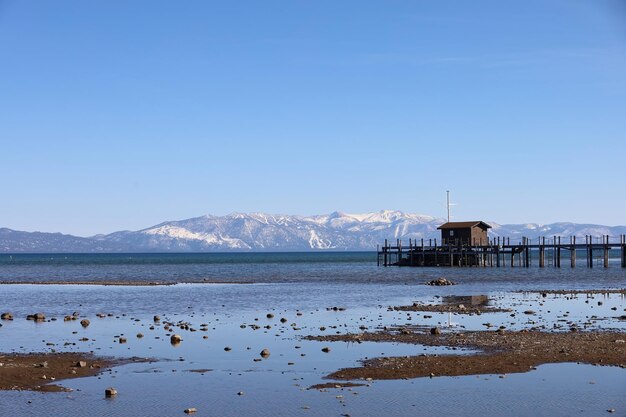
{"x":122,"y":340}
{"x":325,"y":349}
{"x":81,"y":364}
{"x":36,"y":317}
{"x":270,"y":315}
{"x":190,"y":410}
{"x":228,"y":348}
{"x":265,"y":353}
{"x":156,"y":319}
{"x":240,"y":393}
{"x":84,"y":323}
{"x":175,"y":339}
{"x":529,"y":312}
{"x":435,"y":330}
{"x":6,"y":316}
{"x":110,"y":392}
{"x":440,"y":281}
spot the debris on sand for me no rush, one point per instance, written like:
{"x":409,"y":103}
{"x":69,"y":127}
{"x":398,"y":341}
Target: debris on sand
{"x":440,"y":281}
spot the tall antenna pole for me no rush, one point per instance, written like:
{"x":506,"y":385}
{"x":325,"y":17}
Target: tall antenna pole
{"x":448,"y":204}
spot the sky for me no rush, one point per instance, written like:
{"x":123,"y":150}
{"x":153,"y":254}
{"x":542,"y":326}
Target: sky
{"x":120,"y":115}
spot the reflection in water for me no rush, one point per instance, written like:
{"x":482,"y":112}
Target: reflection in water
{"x":247,"y":319}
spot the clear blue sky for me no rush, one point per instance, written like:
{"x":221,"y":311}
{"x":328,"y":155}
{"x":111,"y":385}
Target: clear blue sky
{"x":119,"y":115}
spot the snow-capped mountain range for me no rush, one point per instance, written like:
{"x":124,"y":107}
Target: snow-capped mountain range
{"x":266,"y":232}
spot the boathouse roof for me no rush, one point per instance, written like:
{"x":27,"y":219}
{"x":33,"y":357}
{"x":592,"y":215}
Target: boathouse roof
{"x":464,"y":225}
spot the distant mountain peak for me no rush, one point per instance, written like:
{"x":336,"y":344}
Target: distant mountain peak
{"x":275,"y":232}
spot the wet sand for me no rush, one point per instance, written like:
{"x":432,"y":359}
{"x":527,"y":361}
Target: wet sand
{"x":456,"y":304}
{"x":501,"y":352}
{"x":41,"y":371}
{"x":566,"y":292}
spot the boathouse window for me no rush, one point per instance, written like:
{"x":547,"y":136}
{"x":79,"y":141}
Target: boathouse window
{"x":451,"y":232}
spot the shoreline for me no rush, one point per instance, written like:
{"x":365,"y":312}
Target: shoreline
{"x":38,"y":371}
{"x":500,"y":352}
{"x":112,"y":283}
{"x":568,"y":292}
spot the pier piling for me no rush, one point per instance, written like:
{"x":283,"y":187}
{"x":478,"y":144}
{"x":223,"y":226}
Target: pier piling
{"x":496,"y":252}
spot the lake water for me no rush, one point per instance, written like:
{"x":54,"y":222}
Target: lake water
{"x":299,"y":287}
{"x":318,"y":267}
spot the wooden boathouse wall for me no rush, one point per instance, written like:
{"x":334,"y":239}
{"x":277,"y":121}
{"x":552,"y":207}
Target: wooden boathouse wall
{"x":498,"y":252}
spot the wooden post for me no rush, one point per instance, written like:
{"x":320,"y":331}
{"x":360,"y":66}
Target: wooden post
{"x":623,"y":250}
{"x":606,"y":251}
{"x":450,"y":252}
{"x":558,"y":253}
{"x":385,"y":253}
{"x":377,"y":255}
{"x":423,"y":255}
{"x":590,"y":248}
{"x":498,"y":253}
{"x":542,"y":252}
{"x":573,"y":252}
{"x":436,"y":261}
{"x":527,"y":252}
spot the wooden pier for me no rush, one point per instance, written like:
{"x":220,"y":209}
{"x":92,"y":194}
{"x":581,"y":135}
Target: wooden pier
{"x":499,"y":252}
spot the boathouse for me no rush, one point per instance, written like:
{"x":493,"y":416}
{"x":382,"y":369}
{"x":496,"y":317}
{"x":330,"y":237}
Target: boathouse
{"x":464,"y":233}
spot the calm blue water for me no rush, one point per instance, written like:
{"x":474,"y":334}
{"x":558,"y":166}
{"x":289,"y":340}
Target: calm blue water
{"x":318,"y":267}
{"x":299,"y":287}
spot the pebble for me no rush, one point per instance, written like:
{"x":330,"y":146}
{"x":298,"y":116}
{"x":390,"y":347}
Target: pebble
{"x":110,"y":392}
{"x":36,"y":317}
{"x":190,"y":410}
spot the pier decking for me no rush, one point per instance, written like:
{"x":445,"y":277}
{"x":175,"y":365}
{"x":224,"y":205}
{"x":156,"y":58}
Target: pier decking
{"x":499,"y":252}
